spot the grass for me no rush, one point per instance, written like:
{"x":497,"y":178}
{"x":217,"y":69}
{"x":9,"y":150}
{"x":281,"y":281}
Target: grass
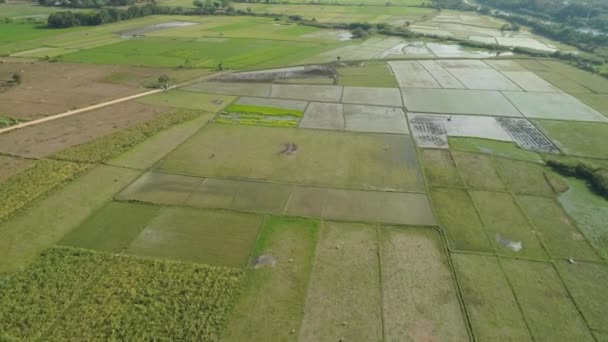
{"x":139,"y":299}
{"x":419,"y":295}
{"x":598,"y":102}
{"x":523,"y":177}
{"x":585,"y":283}
{"x":504,"y":220}
{"x":589,"y":211}
{"x":493,"y":147}
{"x":457,"y":216}
{"x":370,"y":74}
{"x":267,"y":111}
{"x":595,"y":83}
{"x":194,"y":235}
{"x":189,"y":100}
{"x":489,"y":300}
{"x":150,"y":151}
{"x":112,"y":228}
{"x":439,"y":168}
{"x":559,"y":235}
{"x":233,"y":53}
{"x":104,"y":148}
{"x":31,"y":300}
{"x":6,"y":121}
{"x":477,"y":171}
{"x":546,"y":305}
{"x":26,"y":235}
{"x":336,"y":296}
{"x":371,"y":161}
{"x":583,"y":139}
{"x":270,"y":305}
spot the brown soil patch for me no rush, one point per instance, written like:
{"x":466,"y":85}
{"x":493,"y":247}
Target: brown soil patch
{"x":10,"y":166}
{"x":52,"y":88}
{"x":53,"y":136}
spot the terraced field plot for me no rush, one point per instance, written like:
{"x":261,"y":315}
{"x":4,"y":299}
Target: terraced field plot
{"x":384,"y":162}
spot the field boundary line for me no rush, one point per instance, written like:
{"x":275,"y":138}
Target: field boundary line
{"x":103,"y":104}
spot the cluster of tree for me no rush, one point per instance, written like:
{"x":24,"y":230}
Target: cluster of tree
{"x":86,"y":3}
{"x":210,"y":6}
{"x":593,"y":13}
{"x":595,"y":175}
{"x":451,"y":4}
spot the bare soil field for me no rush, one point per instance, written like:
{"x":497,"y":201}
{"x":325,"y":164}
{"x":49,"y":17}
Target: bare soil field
{"x":47,"y":90}
{"x":53,"y":136}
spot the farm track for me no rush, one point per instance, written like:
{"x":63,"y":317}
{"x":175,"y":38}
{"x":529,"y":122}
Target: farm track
{"x":106,"y":103}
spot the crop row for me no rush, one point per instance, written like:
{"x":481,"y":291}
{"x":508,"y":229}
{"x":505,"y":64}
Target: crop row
{"x":60,"y":297}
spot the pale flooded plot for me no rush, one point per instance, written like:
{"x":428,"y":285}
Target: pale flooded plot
{"x":275,"y":103}
{"x":372,"y":96}
{"x":484,"y":79}
{"x":558,"y":106}
{"x":323,"y":116}
{"x":528,"y":81}
{"x":505,"y":65}
{"x":324,"y":93}
{"x":142,"y":31}
{"x":457,"y":101}
{"x":411,"y":74}
{"x":441,"y":75}
{"x":524,"y":42}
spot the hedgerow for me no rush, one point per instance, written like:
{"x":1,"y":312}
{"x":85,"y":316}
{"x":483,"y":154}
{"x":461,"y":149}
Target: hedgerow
{"x":595,"y":175}
{"x":104,"y":148}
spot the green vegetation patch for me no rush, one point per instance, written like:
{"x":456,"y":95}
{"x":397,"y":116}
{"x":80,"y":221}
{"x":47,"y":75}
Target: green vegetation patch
{"x":267,"y":111}
{"x":104,"y":148}
{"x":590,"y":211}
{"x":523,"y":177}
{"x":367,"y":74}
{"x":439,"y":168}
{"x":506,"y":225}
{"x":112,"y":228}
{"x":210,"y":237}
{"x":307,"y":157}
{"x":190,"y":100}
{"x":493,"y":147}
{"x":34,"y":182}
{"x":32,"y":299}
{"x":139,"y":299}
{"x":336,"y":295}
{"x":270,"y":305}
{"x":583,"y":139}
{"x":598,"y":102}
{"x":586,"y":283}
{"x":478,"y":171}
{"x":260,"y":115}
{"x":457,"y":216}
{"x":547,"y":307}
{"x":595,"y":83}
{"x":489,"y":300}
{"x":559,"y":235}
{"x":26,"y":235}
{"x":6,"y":121}
{"x":419,"y":294}
{"x":592,"y":172}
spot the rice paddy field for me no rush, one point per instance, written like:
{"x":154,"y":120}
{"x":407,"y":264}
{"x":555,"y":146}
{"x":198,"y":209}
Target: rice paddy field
{"x":398,"y":193}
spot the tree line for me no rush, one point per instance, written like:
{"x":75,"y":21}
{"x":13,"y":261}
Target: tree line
{"x":86,"y":3}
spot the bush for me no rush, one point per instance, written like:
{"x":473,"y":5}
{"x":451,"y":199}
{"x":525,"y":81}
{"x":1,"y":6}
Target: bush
{"x":596,"y":176}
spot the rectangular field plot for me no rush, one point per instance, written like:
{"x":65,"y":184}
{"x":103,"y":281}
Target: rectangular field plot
{"x":324,"y":116}
{"x":528,"y":81}
{"x":558,"y":106}
{"x":307,"y":157}
{"x":505,"y":65}
{"x":546,"y":305}
{"x":483,"y":79}
{"x":492,"y":307}
{"x":506,"y":225}
{"x":439,"y":168}
{"x":369,"y":74}
{"x":358,"y":118}
{"x":441,"y":75}
{"x":457,"y":216}
{"x":477,"y":171}
{"x":307,"y":92}
{"x":112,"y":228}
{"x":457,"y":101}
{"x":228,"y":88}
{"x":463,"y":64}
{"x":524,"y":178}
{"x":35,"y":297}
{"x":418,"y":288}
{"x":598,"y":102}
{"x":372,"y":96}
{"x":584,"y":139}
{"x":595,"y":83}
{"x":271,"y":303}
{"x":559,"y":235}
{"x":210,"y":237}
{"x":336,"y":296}
{"x":274,"y":103}
{"x":410,"y":74}
{"x":493,"y":147}
{"x":142,"y":299}
{"x":189,"y":99}
{"x":586,"y":283}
